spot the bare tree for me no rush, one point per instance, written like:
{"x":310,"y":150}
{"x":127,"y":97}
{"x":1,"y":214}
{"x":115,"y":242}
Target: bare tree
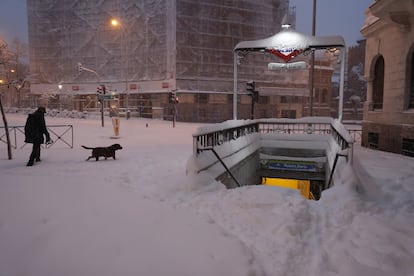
{"x":17,"y":78}
{"x":3,"y":51}
{"x":356,"y":80}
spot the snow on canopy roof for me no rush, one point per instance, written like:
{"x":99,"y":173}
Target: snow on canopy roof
{"x":290,"y":39}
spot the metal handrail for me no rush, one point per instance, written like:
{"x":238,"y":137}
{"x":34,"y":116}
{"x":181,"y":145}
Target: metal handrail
{"x":224,"y":165}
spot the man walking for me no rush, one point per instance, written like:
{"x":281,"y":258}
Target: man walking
{"x":34,"y":130}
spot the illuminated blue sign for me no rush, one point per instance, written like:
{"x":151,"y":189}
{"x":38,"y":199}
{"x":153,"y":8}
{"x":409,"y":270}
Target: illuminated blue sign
{"x":289,"y":165}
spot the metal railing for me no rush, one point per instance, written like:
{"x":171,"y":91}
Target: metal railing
{"x":59,"y":134}
{"x":215,"y":138}
{"x":356,"y":134}
{"x":219,"y":134}
{"x":206,"y":139}
{"x":294,"y":128}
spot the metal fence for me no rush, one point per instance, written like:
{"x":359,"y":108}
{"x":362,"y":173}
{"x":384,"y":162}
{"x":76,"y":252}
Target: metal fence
{"x":59,"y":134}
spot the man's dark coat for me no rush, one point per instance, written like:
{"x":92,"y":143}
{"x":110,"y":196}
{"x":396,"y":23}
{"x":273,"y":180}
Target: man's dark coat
{"x":35,"y":128}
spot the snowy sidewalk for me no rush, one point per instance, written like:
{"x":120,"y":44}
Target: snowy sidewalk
{"x":142,"y":215}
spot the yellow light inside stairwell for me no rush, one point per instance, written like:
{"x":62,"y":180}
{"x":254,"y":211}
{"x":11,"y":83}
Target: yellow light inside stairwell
{"x":302,"y":185}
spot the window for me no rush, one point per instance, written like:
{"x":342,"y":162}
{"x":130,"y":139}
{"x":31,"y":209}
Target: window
{"x":291,"y":114}
{"x":408,"y":147}
{"x":324,"y":95}
{"x":263,"y":99}
{"x":378,"y":84}
{"x":373,"y":140}
{"x":230,"y":99}
{"x":316,"y":95}
{"x":202,"y":114}
{"x":202,"y":98}
{"x":411,"y":82}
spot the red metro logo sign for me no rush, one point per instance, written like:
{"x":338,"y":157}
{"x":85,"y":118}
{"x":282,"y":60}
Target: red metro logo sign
{"x":286,"y":54}
{"x":288,"y":44}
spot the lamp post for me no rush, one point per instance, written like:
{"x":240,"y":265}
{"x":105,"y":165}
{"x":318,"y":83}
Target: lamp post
{"x":117,"y":24}
{"x":12,"y":80}
{"x":6,"y":128}
{"x":82,"y":68}
{"x":60,"y":86}
{"x":312,"y":63}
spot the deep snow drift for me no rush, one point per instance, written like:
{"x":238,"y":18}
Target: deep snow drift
{"x":142,"y":215}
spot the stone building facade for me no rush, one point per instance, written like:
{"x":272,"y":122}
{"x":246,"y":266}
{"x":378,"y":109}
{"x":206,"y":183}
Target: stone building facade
{"x":388,"y":122}
{"x":161,"y":46}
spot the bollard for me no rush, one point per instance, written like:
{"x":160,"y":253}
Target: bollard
{"x":115,"y":124}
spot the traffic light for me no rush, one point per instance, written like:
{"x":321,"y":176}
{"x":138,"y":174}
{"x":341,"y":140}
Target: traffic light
{"x":80,"y":68}
{"x":250,"y":87}
{"x":251,"y":90}
{"x":101,"y":89}
{"x":173,"y":97}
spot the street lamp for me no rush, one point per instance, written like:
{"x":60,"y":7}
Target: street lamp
{"x":60,"y":86}
{"x":114,"y":22}
{"x":312,"y":63}
{"x":82,"y":68}
{"x":117,"y":24}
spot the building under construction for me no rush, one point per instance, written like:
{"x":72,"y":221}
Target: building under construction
{"x":155,"y":47}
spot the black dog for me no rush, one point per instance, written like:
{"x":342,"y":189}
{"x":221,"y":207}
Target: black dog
{"x":103,"y":151}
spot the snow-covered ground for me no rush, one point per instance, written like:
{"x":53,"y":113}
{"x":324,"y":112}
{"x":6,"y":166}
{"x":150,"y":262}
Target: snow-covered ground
{"x":142,"y":215}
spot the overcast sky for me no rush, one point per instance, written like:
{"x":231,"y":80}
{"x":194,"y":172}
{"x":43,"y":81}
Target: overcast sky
{"x":334,"y":17}
{"x":13,"y":20}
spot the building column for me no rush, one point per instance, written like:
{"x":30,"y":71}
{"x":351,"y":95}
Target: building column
{"x":368,"y":103}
